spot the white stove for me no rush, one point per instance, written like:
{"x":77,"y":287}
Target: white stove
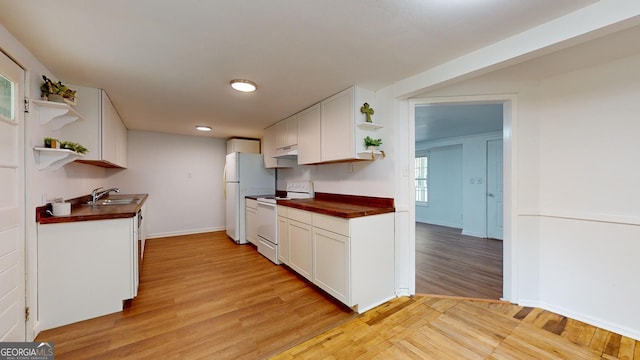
{"x":267,"y":216}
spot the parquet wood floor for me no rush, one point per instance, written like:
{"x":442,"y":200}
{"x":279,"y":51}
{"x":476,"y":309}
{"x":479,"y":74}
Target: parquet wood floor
{"x":449,"y":263}
{"x":446,"y":328}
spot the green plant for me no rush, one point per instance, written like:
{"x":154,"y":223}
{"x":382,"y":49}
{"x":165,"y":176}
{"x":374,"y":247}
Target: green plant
{"x":368,"y":141}
{"x":58,"y":88}
{"x":70,"y":145}
{"x":48,"y":141}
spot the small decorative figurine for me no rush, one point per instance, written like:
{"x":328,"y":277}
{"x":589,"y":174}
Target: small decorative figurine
{"x":368,"y":111}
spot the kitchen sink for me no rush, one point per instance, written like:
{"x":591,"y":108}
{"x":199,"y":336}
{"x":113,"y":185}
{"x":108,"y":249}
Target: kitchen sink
{"x":123,"y":201}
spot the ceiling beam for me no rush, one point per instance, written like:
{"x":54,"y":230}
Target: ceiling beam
{"x":594,"y":21}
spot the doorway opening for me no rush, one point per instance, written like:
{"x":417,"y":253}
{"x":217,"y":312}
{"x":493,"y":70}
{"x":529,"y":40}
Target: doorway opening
{"x":458,"y":192}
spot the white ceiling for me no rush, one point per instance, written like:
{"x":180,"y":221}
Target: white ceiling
{"x":166,"y":64}
{"x":450,"y":120}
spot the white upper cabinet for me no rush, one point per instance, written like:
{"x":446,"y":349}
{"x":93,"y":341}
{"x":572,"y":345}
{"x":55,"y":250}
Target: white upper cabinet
{"x":102,"y":131}
{"x":251,"y":146}
{"x":309,"y":136}
{"x":332,"y":130}
{"x":269,"y":150}
{"x":287,"y":132}
{"x":342,"y":134}
{"x":337,"y":128}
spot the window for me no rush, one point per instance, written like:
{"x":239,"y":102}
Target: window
{"x":6,"y":98}
{"x":422,"y":176}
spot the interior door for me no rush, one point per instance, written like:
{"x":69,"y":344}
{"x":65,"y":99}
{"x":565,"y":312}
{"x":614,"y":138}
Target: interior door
{"x":12,"y":195}
{"x":494,"y":189}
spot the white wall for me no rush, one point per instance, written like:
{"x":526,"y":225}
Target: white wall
{"x":578,"y":223}
{"x":473,"y":183}
{"x":183,"y":177}
{"x":444,"y":205}
{"x":589,"y":194}
{"x":70,"y":181}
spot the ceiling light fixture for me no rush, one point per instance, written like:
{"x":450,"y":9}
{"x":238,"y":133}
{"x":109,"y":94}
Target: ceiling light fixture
{"x":243,"y":85}
{"x":203,"y":128}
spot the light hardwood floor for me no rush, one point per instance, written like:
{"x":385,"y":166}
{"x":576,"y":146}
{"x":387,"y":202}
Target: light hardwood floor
{"x":203,"y":297}
{"x":440,"y":328}
{"x":449,"y":263}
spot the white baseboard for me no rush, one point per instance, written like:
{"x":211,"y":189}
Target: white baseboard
{"x":603,"y":324}
{"x":184,"y":232}
{"x":440,"y":223}
{"x":374,"y":304}
{"x":470,"y":233}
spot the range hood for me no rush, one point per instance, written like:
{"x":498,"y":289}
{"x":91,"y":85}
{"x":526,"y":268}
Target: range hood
{"x":287,"y":152}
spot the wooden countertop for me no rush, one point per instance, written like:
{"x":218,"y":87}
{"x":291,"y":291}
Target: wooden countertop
{"x":82,"y":212}
{"x":344,"y":206}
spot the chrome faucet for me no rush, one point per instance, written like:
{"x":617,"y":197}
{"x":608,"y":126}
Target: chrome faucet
{"x":95,"y":195}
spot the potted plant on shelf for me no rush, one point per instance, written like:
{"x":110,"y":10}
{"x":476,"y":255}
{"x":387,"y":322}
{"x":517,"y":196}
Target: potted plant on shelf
{"x":57,"y":91}
{"x":52,"y":143}
{"x":372,"y":144}
{"x":69,"y":145}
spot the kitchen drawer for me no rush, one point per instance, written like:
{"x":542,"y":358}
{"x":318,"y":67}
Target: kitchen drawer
{"x":331,"y":223}
{"x":299,"y":215}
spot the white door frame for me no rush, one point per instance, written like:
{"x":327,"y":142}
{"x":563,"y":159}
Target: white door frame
{"x":16,"y":73}
{"x":490,"y":229}
{"x":509,"y":135}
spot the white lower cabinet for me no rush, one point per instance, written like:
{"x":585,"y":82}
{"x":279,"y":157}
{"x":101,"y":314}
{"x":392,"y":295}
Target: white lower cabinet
{"x":251,"y":227}
{"x":350,"y":259}
{"x":283,"y":235}
{"x":85,"y":269}
{"x":331,"y":264}
{"x":300,"y":248}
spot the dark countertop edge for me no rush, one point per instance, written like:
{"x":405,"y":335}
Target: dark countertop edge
{"x":356,"y":199}
{"x":367,"y":205}
{"x":43,"y":218}
{"x":255,"y":197}
{"x":279,"y":193}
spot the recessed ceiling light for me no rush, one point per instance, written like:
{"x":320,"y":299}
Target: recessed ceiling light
{"x":203,"y":128}
{"x":243,"y":85}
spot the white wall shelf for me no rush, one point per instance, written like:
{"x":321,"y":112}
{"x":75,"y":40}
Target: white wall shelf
{"x":58,"y":114}
{"x":370,"y":126}
{"x":370,"y":154}
{"x":54,"y":158}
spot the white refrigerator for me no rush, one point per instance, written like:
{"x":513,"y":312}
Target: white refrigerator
{"x":244,"y":175}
